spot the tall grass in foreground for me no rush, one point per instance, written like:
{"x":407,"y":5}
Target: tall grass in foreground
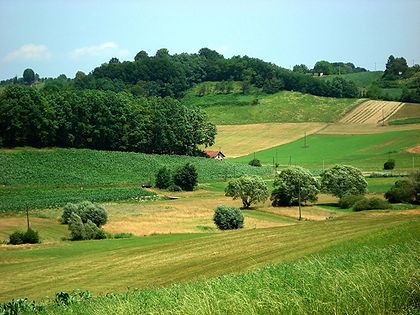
{"x":364,"y":280}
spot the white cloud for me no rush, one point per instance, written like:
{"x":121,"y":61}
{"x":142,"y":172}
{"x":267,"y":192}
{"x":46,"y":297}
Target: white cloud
{"x":29,"y":52}
{"x":104,"y":49}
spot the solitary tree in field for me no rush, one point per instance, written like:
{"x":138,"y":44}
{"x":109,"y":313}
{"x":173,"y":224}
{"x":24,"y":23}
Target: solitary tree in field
{"x":343,"y":179}
{"x":251,"y":189}
{"x":294,"y":186}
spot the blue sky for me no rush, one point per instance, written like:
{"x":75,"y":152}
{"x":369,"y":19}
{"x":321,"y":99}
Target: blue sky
{"x":55,"y":37}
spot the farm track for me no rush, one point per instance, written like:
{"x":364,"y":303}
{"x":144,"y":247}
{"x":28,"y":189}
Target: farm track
{"x":372,"y":112}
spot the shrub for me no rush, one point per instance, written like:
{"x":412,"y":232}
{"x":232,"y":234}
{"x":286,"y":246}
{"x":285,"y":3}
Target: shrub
{"x":389,"y":165}
{"x":95,"y":213}
{"x":228,"y":218}
{"x":251,"y":189}
{"x":76,"y":228}
{"x":100,"y":234}
{"x":68,"y":209}
{"x":255,"y":162}
{"x":343,"y":179}
{"x":91,"y":230}
{"x":163,"y":178}
{"x":289,"y":182}
{"x":174,"y":187}
{"x":186,"y":177}
{"x":347,"y":201}
{"x":371,"y":204}
{"x":402,"y":191}
{"x":31,"y":237}
{"x":16,"y":238}
{"x":86,"y":210}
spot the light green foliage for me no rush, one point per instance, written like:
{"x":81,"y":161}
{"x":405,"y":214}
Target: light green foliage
{"x":250,"y":189}
{"x":228,"y":218}
{"x":76,"y":228}
{"x":87,"y":211}
{"x":343,"y":179}
{"x":291,"y":182}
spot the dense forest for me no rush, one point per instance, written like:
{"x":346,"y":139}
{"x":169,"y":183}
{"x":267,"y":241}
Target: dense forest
{"x":102,"y":120}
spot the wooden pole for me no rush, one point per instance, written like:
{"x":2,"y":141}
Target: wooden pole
{"x":27,"y":217}
{"x":300,"y":210}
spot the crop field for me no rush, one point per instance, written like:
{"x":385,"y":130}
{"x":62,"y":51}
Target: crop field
{"x":366,"y":151}
{"x":372,"y":112}
{"x":238,"y":140}
{"x":140,"y":262}
{"x":408,"y":111}
{"x":52,"y":177}
{"x":280,"y":107}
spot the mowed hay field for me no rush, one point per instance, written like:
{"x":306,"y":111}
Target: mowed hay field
{"x":37,"y":271}
{"x":238,"y":140}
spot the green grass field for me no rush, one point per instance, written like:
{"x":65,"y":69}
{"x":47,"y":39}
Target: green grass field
{"x":235,"y":108}
{"x":52,"y":177}
{"x":367,"y":152}
{"x":360,"y":263}
{"x":361,"y":79}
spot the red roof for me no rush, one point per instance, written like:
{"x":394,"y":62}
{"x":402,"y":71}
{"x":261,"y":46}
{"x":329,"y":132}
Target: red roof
{"x":213,"y":154}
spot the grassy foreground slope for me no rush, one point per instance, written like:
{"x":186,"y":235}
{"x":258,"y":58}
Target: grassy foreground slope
{"x":362,"y":263}
{"x":52,"y":177}
{"x":365,"y":151}
{"x":285,"y":106}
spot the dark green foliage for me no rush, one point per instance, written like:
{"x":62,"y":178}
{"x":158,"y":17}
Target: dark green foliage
{"x":163,"y":178}
{"x":28,"y":76}
{"x":228,"y":218}
{"x":402,"y":191}
{"x":348,"y":200}
{"x":101,"y":120}
{"x":371,"y":204}
{"x":174,"y":188}
{"x":255,"y":162}
{"x":395,"y":68}
{"x":68,"y":298}
{"x":21,"y":306}
{"x":389,"y":165}
{"x":101,"y":234}
{"x":292,"y":182}
{"x":91,"y":230}
{"x":16,"y":238}
{"x":343,"y":179}
{"x":29,"y":237}
{"x":68,"y":209}
{"x":186,"y":177}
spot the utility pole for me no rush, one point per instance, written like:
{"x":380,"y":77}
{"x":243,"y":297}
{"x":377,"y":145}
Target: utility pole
{"x":300,"y":210}
{"x":27,"y":217}
{"x":305,"y":143}
{"x":375,"y":66}
{"x":290,"y":160}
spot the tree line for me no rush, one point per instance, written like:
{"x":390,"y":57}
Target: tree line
{"x":166,"y":75}
{"x":102,"y":120}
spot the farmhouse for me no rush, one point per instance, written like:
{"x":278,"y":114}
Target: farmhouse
{"x":217,"y":155}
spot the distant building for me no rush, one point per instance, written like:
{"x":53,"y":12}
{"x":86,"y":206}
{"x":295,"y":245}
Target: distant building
{"x":217,"y":155}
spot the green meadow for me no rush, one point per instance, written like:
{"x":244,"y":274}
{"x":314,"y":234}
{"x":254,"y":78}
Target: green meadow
{"x":366,"y":151}
{"x":361,"y":263}
{"x":285,"y":106}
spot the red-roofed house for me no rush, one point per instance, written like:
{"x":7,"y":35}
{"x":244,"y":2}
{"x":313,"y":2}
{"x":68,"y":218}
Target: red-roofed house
{"x":217,"y":155}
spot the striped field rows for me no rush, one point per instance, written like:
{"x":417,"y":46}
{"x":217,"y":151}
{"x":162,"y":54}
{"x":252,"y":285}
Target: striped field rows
{"x":372,"y":112}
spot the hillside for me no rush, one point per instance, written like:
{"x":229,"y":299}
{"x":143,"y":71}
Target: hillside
{"x":372,"y":112}
{"x":365,"y":151}
{"x":361,"y":79}
{"x":235,"y":108}
{"x":52,"y":177}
